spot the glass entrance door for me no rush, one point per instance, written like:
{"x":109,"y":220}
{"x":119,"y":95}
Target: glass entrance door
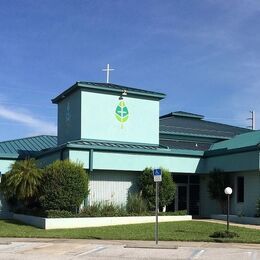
{"x":181,"y":197}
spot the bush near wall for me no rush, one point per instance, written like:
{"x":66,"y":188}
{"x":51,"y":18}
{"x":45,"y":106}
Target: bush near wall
{"x":64,"y":186}
{"x":21,"y":184}
{"x":93,"y":212}
{"x":136,"y":204}
{"x":167,"y":188}
{"x":218,"y":181}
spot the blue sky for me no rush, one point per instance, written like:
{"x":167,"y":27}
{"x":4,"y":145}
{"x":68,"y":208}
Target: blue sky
{"x":204,"y":54}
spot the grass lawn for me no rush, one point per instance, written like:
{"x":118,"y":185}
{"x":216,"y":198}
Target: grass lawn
{"x":178,"y":231}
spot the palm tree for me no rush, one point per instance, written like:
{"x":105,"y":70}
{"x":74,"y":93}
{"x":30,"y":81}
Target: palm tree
{"x":23,"y":180}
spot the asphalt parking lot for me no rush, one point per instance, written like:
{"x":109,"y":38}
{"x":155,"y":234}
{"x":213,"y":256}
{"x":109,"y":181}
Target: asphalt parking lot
{"x":93,"y":249}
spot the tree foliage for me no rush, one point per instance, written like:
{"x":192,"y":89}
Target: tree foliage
{"x":64,"y":186}
{"x":167,"y":188}
{"x":22,"y":181}
{"x":218,"y":181}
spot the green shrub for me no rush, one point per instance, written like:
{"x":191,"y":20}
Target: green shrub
{"x":107,"y":209}
{"x":179,"y":213}
{"x":111,"y":210}
{"x":45,"y":213}
{"x":167,"y":188}
{"x":22,"y":182}
{"x":218,"y":181}
{"x":136,"y":204}
{"x":64,"y":186}
{"x":32,"y":212}
{"x":59,"y":214}
{"x":94,"y":210}
{"x":224,"y":234}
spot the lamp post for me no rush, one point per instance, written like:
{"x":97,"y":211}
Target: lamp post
{"x":228,"y":192}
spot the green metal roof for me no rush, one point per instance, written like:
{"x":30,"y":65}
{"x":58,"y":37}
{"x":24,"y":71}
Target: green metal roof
{"x":239,"y":141}
{"x":183,"y":114}
{"x":20,"y":148}
{"x":189,"y":124}
{"x":107,"y":87}
{"x":111,"y":146}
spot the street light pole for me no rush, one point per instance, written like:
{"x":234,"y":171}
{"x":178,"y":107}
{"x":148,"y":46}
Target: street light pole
{"x":228,"y":192}
{"x":156,"y":213}
{"x":228,"y":213}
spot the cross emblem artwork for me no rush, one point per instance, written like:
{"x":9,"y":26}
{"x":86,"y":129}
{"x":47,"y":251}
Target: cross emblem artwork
{"x":122,"y":113}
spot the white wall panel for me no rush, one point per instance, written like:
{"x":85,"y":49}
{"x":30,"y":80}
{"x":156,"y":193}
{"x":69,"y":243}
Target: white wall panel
{"x":111,"y":186}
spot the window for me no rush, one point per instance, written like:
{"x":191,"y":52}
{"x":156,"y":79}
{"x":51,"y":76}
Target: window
{"x":240,"y":189}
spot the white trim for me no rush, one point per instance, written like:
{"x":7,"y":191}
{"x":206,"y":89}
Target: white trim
{"x":56,"y":223}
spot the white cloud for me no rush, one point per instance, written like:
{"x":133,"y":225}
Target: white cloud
{"x":34,"y":124}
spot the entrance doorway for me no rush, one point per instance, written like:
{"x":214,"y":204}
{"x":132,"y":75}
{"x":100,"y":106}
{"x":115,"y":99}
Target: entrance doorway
{"x":181,"y":197}
{"x":187,"y":195}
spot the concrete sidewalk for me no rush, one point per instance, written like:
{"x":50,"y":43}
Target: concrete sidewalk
{"x":42,"y":249}
{"x":130,"y":242}
{"x":230,"y":223}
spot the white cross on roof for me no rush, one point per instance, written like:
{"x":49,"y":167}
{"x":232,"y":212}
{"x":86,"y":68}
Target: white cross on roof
{"x":107,"y":70}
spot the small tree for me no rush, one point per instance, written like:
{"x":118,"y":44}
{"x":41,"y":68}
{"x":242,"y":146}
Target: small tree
{"x":64,"y":186}
{"x":22,"y":182}
{"x":167,"y":188}
{"x":218,"y":181}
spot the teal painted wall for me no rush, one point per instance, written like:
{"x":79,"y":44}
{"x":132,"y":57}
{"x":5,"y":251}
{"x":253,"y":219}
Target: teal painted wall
{"x":99,"y":121}
{"x":246,"y":161}
{"x":135,"y":162}
{"x":251,"y":194}
{"x":207,"y":205}
{"x":4,"y":210}
{"x":80,"y":156}
{"x":69,"y":118}
{"x":112,"y":186}
{"x":5,"y":165}
{"x":48,"y":159}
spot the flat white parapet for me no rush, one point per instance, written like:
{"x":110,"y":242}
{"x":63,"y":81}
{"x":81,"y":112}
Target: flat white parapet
{"x":60,"y":223}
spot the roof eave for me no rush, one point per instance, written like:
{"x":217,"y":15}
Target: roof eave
{"x":70,"y":90}
{"x":7,"y":156}
{"x":195,"y":135}
{"x":78,"y":85}
{"x":133,"y":150}
{"x":225,"y":151}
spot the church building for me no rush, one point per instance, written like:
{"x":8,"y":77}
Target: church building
{"x":117,"y":131}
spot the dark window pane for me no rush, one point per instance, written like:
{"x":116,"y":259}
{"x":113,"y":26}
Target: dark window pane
{"x":194,"y":179}
{"x":182,"y":198}
{"x":194,"y":199}
{"x":180,"y":178}
{"x":240,"y":189}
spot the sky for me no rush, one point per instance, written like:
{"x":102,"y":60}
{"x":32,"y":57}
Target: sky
{"x":203,"y":54}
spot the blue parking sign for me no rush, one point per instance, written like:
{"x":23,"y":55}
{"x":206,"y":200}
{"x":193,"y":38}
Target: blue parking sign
{"x":157,"y":175}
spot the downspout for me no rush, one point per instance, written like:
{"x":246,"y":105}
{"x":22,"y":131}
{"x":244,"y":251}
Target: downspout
{"x":258,"y":148}
{"x":90,"y":169}
{"x":61,"y":154}
{"x":259,"y":162}
{"x":188,"y":196}
{"x":91,"y":151}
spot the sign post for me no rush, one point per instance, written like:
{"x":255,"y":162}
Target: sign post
{"x":157,"y":175}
